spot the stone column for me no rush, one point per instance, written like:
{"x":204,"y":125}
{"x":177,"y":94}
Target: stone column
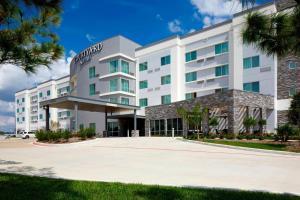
{"x":233,"y":120}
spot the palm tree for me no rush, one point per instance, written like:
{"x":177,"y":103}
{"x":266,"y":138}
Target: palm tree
{"x":249,"y":123}
{"x":275,"y":34}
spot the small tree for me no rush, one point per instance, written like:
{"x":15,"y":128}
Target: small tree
{"x":249,"y":123}
{"x":213,"y":122}
{"x":285,"y":131}
{"x":192,"y":117}
{"x":294,"y":111}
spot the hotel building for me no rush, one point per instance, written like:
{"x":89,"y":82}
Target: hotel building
{"x":122,"y":88}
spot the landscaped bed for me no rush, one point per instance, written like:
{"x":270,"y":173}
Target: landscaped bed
{"x":15,"y":187}
{"x":268,"y":144}
{"x":65,"y":136}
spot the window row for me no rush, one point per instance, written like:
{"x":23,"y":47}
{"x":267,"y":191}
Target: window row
{"x":22,"y":100}
{"x":164,"y":80}
{"x":124,"y":100}
{"x":164,"y":127}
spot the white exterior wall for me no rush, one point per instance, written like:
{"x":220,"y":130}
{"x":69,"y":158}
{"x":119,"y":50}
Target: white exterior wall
{"x":32,"y":109}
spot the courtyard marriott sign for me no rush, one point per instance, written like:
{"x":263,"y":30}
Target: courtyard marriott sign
{"x":86,"y":55}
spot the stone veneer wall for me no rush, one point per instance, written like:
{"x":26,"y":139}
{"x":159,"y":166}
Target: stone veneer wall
{"x":282,"y":117}
{"x":233,"y":101}
{"x":287,"y":78}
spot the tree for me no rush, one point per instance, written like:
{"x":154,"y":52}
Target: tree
{"x":213,"y":122}
{"x":294,"y":111}
{"x":27,"y":39}
{"x":193,"y":117}
{"x":285,"y":131}
{"x":275,"y":34}
{"x":249,"y":122}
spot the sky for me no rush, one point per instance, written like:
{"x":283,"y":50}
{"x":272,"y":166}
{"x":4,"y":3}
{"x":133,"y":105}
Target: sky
{"x":85,"y":22}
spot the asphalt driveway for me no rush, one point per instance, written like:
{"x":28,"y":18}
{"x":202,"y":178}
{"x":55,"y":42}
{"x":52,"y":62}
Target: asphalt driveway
{"x":164,"y":161}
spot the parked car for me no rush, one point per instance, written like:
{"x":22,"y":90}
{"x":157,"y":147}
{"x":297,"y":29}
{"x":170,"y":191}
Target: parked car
{"x":27,"y":135}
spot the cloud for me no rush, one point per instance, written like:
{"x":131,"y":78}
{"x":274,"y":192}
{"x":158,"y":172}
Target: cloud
{"x":158,"y":17}
{"x":197,"y":16}
{"x":7,"y":123}
{"x":175,"y":26}
{"x":72,"y":53}
{"x":90,"y":37}
{"x":208,"y":21}
{"x":218,"y":8}
{"x":192,"y":30}
{"x":7,"y":107}
{"x":13,"y":79}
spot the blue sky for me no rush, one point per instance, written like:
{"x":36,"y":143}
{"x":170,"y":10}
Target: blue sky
{"x":87,"y":22}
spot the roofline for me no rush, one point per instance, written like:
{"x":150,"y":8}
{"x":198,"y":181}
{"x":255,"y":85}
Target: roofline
{"x":254,"y":9}
{"x":42,"y":83}
{"x":157,"y":42}
{"x":207,"y":28}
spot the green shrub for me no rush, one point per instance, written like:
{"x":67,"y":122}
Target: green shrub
{"x":90,"y":132}
{"x":66,"y":134}
{"x":41,"y":135}
{"x":285,"y":131}
{"x":229,"y":136}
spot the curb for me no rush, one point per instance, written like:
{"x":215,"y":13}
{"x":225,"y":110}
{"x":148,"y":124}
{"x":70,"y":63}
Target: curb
{"x":242,"y":148}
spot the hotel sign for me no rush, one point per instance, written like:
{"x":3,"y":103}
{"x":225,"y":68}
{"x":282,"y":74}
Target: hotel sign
{"x":86,"y":55}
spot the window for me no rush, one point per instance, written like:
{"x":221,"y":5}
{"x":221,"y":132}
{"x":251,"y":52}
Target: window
{"x":222,"y":70}
{"x":23,"y":119}
{"x":41,"y":95}
{"x":113,"y":85}
{"x":192,"y":95}
{"x":251,"y":87}
{"x":41,"y":116}
{"x":59,"y":114}
{"x":221,"y":48}
{"x":113,"y":128}
{"x":68,"y":89}
{"x":292,"y":64}
{"x":125,"y":67}
{"x":165,"y":60}
{"x":92,"y":72}
{"x":92,"y":89}
{"x":251,"y":62}
{"x":192,"y":76}
{"x":68,"y":113}
{"x":143,"y":84}
{"x":23,"y":109}
{"x":113,"y":99}
{"x":166,"y":99}
{"x":113,"y":66}
{"x":143,"y":66}
{"x":17,"y":119}
{"x":165,"y":80}
{"x":125,"y":85}
{"x":292,"y":92}
{"x":124,"y":101}
{"x":190,"y":56}
{"x":175,"y":123}
{"x":157,"y":127}
{"x":17,"y":110}
{"x":81,"y":126}
{"x":17,"y":100}
{"x":48,"y":92}
{"x":23,"y":100}
{"x":92,"y":125}
{"x":144,"y":102}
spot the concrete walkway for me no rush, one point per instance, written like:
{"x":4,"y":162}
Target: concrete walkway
{"x":163,"y":161}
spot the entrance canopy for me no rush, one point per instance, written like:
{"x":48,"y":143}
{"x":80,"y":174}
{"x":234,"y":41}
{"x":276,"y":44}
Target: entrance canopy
{"x":92,"y":105}
{"x":85,"y":104}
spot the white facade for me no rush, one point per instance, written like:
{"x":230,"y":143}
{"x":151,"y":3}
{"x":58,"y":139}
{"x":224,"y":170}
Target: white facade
{"x":31,"y":117}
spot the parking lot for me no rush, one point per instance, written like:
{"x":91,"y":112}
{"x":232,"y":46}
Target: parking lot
{"x":164,"y":161}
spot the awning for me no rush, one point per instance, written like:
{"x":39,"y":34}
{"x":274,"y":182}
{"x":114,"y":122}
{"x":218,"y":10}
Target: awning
{"x":92,"y":105}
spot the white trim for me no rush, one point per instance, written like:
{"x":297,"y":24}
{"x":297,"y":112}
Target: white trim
{"x":206,"y":89}
{"x":117,"y":92}
{"x":117,"y":74}
{"x":116,"y":55}
{"x":283,"y":104}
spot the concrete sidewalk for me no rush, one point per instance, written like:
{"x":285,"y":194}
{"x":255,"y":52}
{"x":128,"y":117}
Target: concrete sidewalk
{"x":164,"y":161}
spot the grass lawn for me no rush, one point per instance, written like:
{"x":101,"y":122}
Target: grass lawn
{"x":277,"y":147}
{"x":27,"y":187}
